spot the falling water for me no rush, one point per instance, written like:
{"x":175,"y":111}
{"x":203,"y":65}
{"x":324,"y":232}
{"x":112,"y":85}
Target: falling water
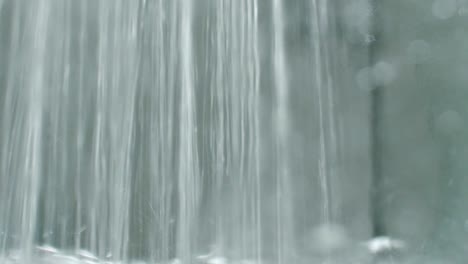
{"x":184,"y":131}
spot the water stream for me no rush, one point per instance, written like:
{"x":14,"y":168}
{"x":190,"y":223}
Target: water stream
{"x":183,"y":131}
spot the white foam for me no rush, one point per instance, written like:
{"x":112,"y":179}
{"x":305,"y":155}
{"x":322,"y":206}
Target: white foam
{"x":217,"y":260}
{"x":383,"y":243}
{"x":175,"y":261}
{"x":63,"y":259}
{"x":86,"y":255}
{"x":47,"y":249}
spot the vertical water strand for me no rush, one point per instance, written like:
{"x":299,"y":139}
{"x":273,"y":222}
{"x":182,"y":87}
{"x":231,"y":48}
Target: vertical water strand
{"x":249,"y":105}
{"x":98,"y":198}
{"x":255,"y":108}
{"x":253,"y":138}
{"x":80,"y":134}
{"x":32,"y":163}
{"x":140,"y":231}
{"x":65,"y":169}
{"x":13,"y":116}
{"x":240,"y":99}
{"x":114,"y":178}
{"x":153,"y":17}
{"x":235,"y":143}
{"x":142,"y":223}
{"x":50,"y":179}
{"x":282,"y":125}
{"x":188,"y":182}
{"x":90,"y":114}
{"x":160,"y":76}
{"x":232,"y":89}
{"x":246,"y":133}
{"x":124,"y":81}
{"x":54,"y":212}
{"x":161,"y":103}
{"x":233,"y":146}
{"x":169,"y":129}
{"x":167,"y":113}
{"x":331,"y":103}
{"x":236,"y":88}
{"x":219,"y":108}
{"x":319,"y":87}
{"x":222,"y":159}
{"x":157,"y":172}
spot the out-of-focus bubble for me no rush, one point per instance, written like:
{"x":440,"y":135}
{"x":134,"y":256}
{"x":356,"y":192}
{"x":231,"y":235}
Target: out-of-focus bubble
{"x":384,"y":73}
{"x":466,"y":226}
{"x":328,"y":238}
{"x":462,"y":11}
{"x":419,"y":51}
{"x":448,"y":123}
{"x":444,"y":9}
{"x":381,"y":74}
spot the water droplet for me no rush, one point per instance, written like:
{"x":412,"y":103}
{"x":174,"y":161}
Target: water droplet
{"x":419,"y":51}
{"x":444,"y":9}
{"x":328,"y":238}
{"x":384,"y":73}
{"x":466,"y":225}
{"x":463,"y":11}
{"x":448,"y":123}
